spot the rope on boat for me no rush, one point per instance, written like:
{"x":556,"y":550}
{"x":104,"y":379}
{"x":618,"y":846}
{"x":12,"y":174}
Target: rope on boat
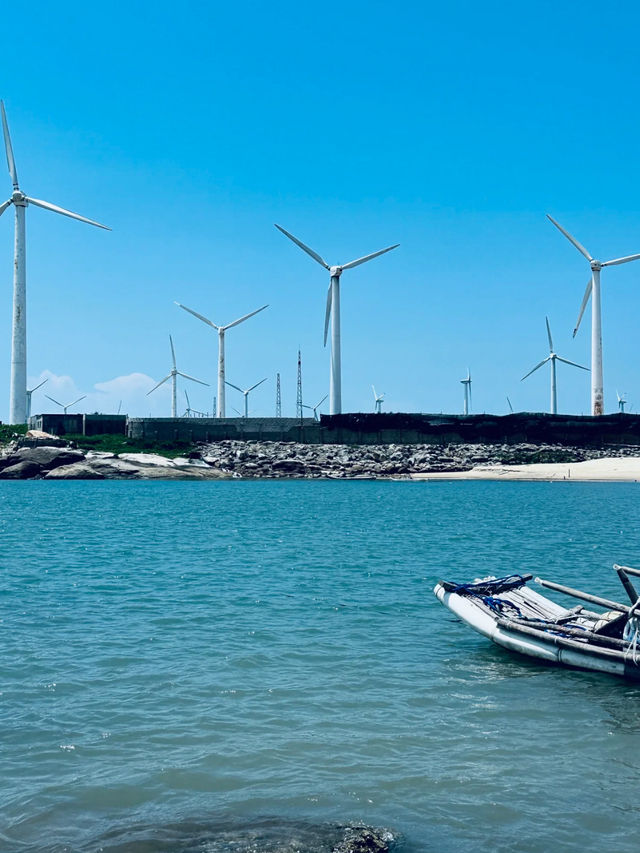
{"x":631,"y":632}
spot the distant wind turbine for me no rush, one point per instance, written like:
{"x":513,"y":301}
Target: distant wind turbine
{"x":593,"y":291}
{"x":62,"y":405}
{"x":246,"y":393}
{"x":467,"y":392}
{"x":333,"y":312}
{"x":552,"y":358}
{"x":189,"y":411}
{"x":18,"y":391}
{"x":315,"y":408}
{"x":378,"y":400}
{"x":173,"y":376}
{"x":621,"y":401}
{"x":221,"y":330}
{"x":29,"y":395}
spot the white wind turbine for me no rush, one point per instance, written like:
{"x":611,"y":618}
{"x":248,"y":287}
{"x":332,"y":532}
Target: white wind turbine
{"x":333,"y":312}
{"x":173,"y":376}
{"x":221,"y":330}
{"x":246,"y":393}
{"x":18,"y":391}
{"x":30,"y":394}
{"x":378,"y":398}
{"x":62,"y":405}
{"x":189,"y":411}
{"x":467,"y":392}
{"x":622,"y":402}
{"x":593,"y":290}
{"x":552,"y":358}
{"x":315,"y":408}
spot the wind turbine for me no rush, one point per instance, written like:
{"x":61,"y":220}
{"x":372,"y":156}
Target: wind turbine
{"x":621,"y":401}
{"x":593,"y":290}
{"x":333,"y":312}
{"x":173,"y":376}
{"x":62,"y":405}
{"x":378,"y":398}
{"x":467,"y":392}
{"x":315,"y":408}
{"x":221,"y":330}
{"x":552,"y":357}
{"x":189,"y":411}
{"x":246,"y":393}
{"x":29,"y":394}
{"x":18,"y":392}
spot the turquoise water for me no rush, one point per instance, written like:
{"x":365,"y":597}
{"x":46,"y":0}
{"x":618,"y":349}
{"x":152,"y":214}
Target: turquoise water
{"x":182,"y":660}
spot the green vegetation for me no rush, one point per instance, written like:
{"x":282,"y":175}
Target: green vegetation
{"x":122,"y":444}
{"x":8,"y":432}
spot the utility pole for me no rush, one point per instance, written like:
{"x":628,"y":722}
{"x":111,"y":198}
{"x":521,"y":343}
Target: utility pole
{"x":278,"y":397}
{"x":299,"y":389}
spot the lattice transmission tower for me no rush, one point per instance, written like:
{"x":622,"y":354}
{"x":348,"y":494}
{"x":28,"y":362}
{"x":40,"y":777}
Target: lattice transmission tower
{"x":278,"y":397}
{"x":299,"y":388}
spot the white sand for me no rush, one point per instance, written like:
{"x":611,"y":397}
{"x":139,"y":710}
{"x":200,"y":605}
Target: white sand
{"x":614,"y":469}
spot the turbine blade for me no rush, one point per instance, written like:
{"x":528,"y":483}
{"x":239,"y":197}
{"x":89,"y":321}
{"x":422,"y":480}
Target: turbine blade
{"x":11,"y":163}
{"x":366,"y":258}
{"x":572,"y":363}
{"x":571,"y":239}
{"x":199,"y":316}
{"x":374,"y":391}
{"x":76,"y":401}
{"x":621,"y":261}
{"x":226,"y":382}
{"x":246,"y":317}
{"x":53,"y":401}
{"x":544,"y":361}
{"x":39,"y":386}
{"x":317,"y":406}
{"x":5,"y":205}
{"x":256,"y":385}
{"x":585,"y":299}
{"x":173,"y":352}
{"x":54,"y":207}
{"x":192,"y":378}
{"x":162,"y":381}
{"x":546,"y":319}
{"x":314,"y":255}
{"x":186,"y":395}
{"x":327,"y":315}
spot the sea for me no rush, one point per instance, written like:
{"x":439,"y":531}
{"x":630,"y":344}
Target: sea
{"x":237,"y":666}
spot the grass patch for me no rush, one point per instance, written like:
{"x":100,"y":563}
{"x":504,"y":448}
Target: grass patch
{"x":122,"y":444}
{"x":10,"y":431}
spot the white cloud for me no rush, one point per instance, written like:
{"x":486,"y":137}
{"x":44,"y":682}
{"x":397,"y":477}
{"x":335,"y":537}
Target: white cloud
{"x":127,"y":394}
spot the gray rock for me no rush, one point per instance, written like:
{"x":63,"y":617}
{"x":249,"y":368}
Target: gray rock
{"x":21,"y":471}
{"x":46,"y":457}
{"x":76,"y":471}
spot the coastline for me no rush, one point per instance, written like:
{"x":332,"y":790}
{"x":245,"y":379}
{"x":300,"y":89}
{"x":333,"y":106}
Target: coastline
{"x":41,"y":456}
{"x":607,"y":469}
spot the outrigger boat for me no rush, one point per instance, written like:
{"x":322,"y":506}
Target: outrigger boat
{"x":513,"y":615}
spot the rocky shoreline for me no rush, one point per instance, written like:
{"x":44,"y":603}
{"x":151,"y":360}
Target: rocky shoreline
{"x":41,"y":456}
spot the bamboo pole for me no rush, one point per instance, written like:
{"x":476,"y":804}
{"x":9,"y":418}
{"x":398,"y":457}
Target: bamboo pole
{"x":585,"y":596}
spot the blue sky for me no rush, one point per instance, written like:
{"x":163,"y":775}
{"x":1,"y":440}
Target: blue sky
{"x":190,"y":129}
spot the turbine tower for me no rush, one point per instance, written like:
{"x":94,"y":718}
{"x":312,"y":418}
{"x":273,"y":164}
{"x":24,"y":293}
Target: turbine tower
{"x":593,"y":290}
{"x":467,"y":392}
{"x":315,"y":408}
{"x":221,"y":330}
{"x":62,"y":405}
{"x":173,"y":376}
{"x":246,"y":393}
{"x":552,"y":358}
{"x":29,"y":395}
{"x":378,"y":399}
{"x":18,"y":392}
{"x":333,"y":312}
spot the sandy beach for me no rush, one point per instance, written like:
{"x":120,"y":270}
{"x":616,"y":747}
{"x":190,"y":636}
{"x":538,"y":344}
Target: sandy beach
{"x":624,"y":469}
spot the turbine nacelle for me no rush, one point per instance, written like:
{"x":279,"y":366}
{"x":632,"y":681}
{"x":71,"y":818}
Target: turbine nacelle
{"x":335,"y":272}
{"x":596,"y":266}
{"x":18,"y":197}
